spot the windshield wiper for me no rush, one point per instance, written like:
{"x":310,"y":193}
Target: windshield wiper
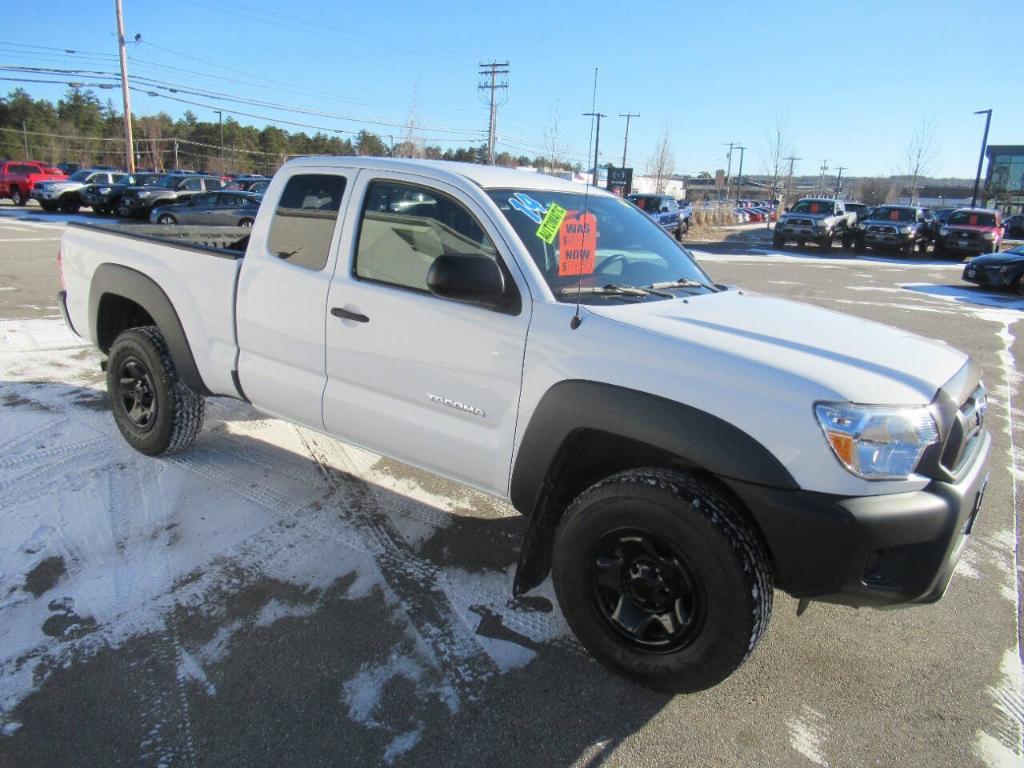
{"x":611,"y":290}
{"x":682,"y":282}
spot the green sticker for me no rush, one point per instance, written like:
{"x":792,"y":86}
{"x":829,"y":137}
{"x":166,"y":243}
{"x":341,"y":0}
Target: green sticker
{"x":552,"y":221}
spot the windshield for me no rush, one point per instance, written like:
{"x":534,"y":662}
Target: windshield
{"x":612,"y":244}
{"x":972,"y":219}
{"x":813,"y":206}
{"x":894,"y":214}
{"x":80,"y":175}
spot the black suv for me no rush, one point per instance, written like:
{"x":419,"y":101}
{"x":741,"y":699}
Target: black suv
{"x":172,"y":188}
{"x":104,"y":198}
{"x":900,"y":228}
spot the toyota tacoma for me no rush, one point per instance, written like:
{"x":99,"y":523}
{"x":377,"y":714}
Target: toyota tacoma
{"x":817,"y":220}
{"x":681,"y":448}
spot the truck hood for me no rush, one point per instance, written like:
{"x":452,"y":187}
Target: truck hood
{"x":850,"y":359}
{"x":64,"y":186}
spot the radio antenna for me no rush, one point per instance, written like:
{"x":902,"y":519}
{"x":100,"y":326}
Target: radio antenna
{"x":576,"y":319}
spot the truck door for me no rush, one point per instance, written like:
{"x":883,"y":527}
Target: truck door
{"x":282,"y":293}
{"x":430,"y":381}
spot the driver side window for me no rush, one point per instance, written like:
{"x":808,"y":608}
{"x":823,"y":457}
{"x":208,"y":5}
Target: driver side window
{"x":405,"y":227}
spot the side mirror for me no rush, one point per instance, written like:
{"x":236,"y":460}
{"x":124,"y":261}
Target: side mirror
{"x":470,"y":279}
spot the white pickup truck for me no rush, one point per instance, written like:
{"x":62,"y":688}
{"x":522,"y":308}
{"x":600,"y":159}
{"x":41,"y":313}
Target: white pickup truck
{"x":681,"y":448}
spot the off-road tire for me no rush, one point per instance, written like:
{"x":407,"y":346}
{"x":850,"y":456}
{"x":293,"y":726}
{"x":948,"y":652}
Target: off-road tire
{"x":860,"y":246}
{"x":825,"y":243}
{"x":847,"y":242}
{"x":17,"y":198}
{"x":179,"y":411}
{"x":703,"y":529}
{"x":122,"y":210}
{"x":69,"y":206}
{"x":778,"y":241}
{"x":47,"y":206}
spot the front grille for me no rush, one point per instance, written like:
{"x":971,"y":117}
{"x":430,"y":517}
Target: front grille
{"x":877,"y":228}
{"x":966,"y":431}
{"x":800,"y":222}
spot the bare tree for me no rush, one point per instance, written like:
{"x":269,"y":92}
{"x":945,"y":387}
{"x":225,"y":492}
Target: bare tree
{"x":778,"y":149}
{"x":920,"y":155}
{"x":661,"y":163}
{"x":875,"y":191}
{"x":555,"y":146}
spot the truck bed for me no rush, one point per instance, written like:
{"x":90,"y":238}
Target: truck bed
{"x":196,"y":268}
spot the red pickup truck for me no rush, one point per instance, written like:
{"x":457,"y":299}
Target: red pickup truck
{"x":17,"y":178}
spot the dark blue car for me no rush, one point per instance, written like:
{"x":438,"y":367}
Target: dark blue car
{"x":666,"y":211}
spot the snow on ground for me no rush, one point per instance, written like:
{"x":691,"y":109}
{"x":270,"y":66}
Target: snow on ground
{"x":99,"y":544}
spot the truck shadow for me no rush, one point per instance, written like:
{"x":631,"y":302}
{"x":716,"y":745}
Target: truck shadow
{"x":282,"y":607}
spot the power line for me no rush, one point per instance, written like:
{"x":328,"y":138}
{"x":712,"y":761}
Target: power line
{"x":492,"y":70}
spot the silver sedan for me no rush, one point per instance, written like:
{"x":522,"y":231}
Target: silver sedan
{"x":231,"y":209}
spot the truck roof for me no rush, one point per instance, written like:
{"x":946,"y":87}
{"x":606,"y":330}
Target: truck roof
{"x":486,"y":176}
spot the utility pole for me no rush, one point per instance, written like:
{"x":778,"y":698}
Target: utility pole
{"x":839,"y":180}
{"x":728,"y":173}
{"x":789,"y":178}
{"x":176,"y":166}
{"x":220,"y":121}
{"x":739,"y":177}
{"x":625,"y":141}
{"x":981,"y":157}
{"x":492,"y":71}
{"x":821,"y":184}
{"x":597,"y":139}
{"x":128,"y":143}
{"x":24,"y":138}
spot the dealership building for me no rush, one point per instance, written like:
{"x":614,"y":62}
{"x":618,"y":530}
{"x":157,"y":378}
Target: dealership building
{"x":1004,"y":179}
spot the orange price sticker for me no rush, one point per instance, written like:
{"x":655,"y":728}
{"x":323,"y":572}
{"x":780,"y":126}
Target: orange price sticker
{"x":577,"y":244}
{"x":814,"y":207}
{"x":894,"y":215}
{"x":972,"y":220}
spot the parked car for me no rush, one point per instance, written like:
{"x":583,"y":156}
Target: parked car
{"x":246,"y":183}
{"x":1013,"y":226}
{"x":664,"y":210}
{"x":224,"y":208}
{"x":817,"y":220}
{"x":18,"y":178}
{"x":859,"y":211}
{"x":898,"y":228}
{"x":68,"y":168}
{"x":105,"y":197}
{"x":172,"y":188}
{"x":971,"y":230}
{"x":681,"y":448}
{"x":64,"y":195}
{"x":999,"y":270}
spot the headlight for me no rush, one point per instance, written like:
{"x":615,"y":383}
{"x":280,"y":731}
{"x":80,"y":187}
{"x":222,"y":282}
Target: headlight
{"x":103,"y":191}
{"x":877,"y":443}
{"x":989,"y":235}
{"x":906,"y":230}
{"x":145,"y":193}
{"x":943,"y":231}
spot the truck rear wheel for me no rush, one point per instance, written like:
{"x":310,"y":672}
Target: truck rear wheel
{"x":155,"y":411}
{"x":662,"y":579}
{"x":17,"y":198}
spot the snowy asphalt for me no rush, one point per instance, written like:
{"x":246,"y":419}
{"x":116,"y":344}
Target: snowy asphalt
{"x":274,"y":597}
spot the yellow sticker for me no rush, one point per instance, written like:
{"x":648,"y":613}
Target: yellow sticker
{"x":548,"y":228}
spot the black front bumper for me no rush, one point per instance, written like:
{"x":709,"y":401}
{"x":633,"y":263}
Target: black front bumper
{"x":871,"y":550}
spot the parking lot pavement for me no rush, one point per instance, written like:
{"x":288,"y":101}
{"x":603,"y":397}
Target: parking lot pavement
{"x":275,"y":597}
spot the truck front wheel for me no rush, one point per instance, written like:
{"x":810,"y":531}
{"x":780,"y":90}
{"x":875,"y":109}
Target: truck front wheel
{"x":662,"y":579}
{"x":155,"y":411}
{"x":17,"y":198}
{"x":825,"y":242}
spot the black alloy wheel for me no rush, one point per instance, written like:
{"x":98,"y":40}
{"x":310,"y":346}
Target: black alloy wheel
{"x":166,"y":219}
{"x":137,"y":393}
{"x":646,"y":592}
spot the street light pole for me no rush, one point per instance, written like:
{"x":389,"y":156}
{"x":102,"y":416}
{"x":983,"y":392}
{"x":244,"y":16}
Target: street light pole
{"x":984,"y":142}
{"x":597,"y":138}
{"x":625,"y":141}
{"x":839,"y":180}
{"x":728,"y":172}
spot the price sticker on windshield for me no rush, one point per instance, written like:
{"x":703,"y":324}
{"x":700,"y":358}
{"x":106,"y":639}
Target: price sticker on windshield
{"x":577,"y":245}
{"x":972,"y":220}
{"x":814,"y":207}
{"x":894,"y":215}
{"x":552,"y":221}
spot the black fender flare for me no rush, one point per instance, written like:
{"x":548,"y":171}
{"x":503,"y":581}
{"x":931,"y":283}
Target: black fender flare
{"x":128,"y":283}
{"x":699,"y":439}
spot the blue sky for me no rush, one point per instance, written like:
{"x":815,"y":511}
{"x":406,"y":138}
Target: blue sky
{"x":853,"y":80}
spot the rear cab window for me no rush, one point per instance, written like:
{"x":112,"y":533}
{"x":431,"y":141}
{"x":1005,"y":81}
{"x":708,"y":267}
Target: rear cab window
{"x":304,"y":220}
